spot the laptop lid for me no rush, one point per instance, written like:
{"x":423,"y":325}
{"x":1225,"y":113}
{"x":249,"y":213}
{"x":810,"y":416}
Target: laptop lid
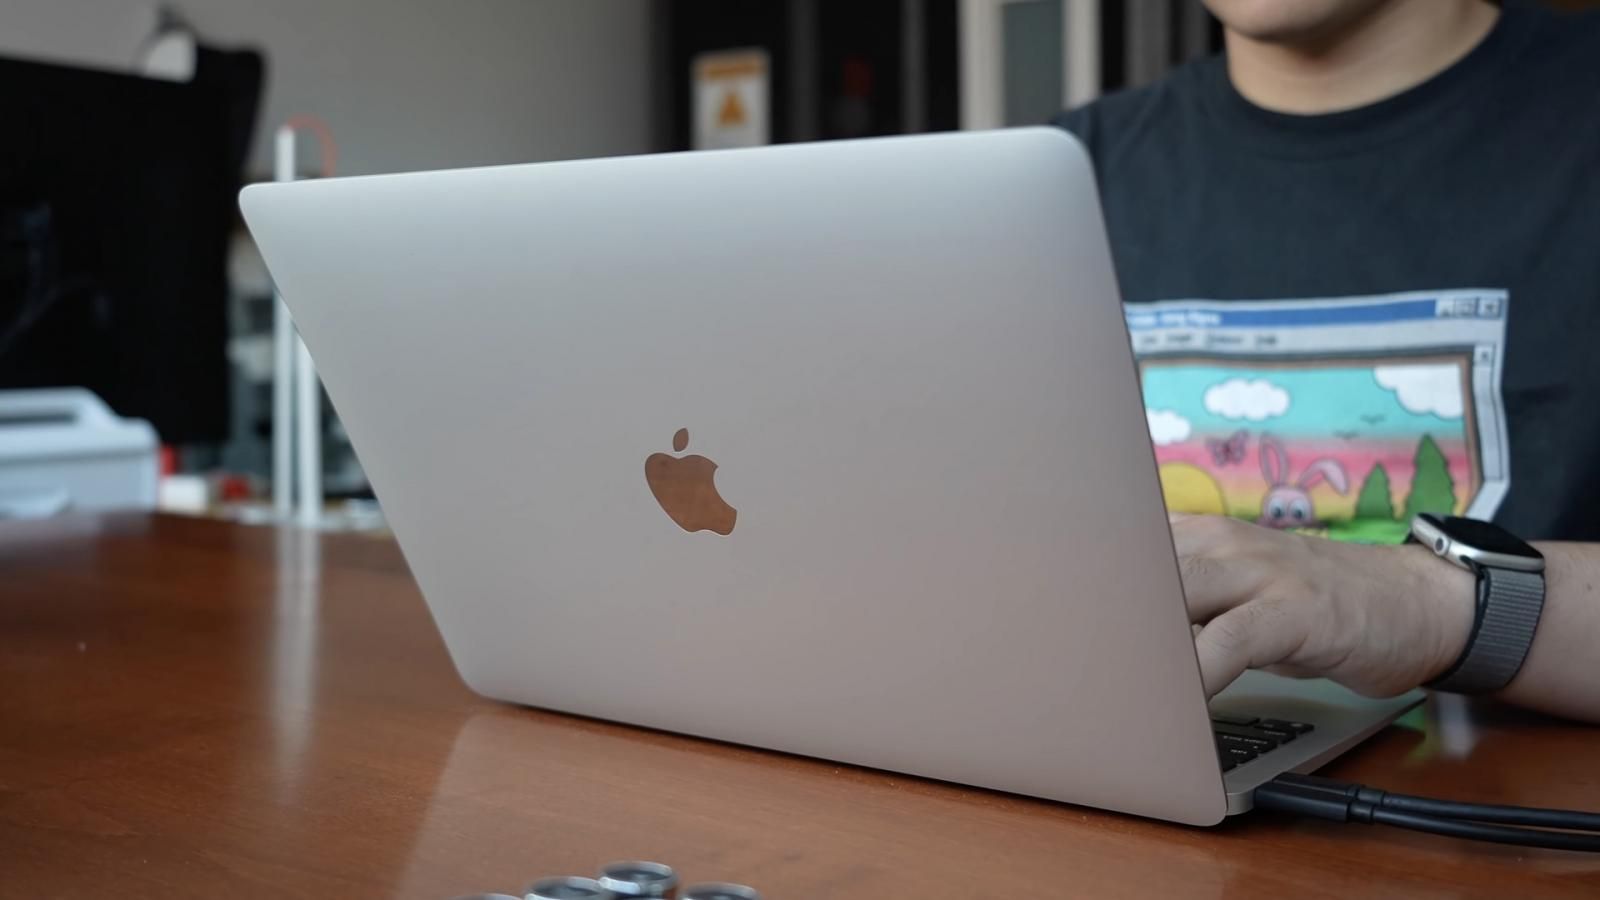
{"x":832,"y":448}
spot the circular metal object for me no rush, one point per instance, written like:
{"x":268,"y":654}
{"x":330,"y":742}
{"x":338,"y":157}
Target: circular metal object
{"x":719,"y":891}
{"x":568,"y":888}
{"x":639,"y":878}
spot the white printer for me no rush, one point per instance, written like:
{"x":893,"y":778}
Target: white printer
{"x":62,"y":449}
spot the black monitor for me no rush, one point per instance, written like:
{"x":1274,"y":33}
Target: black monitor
{"x":117,"y":201}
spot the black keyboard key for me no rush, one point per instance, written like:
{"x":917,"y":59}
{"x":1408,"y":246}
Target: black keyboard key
{"x":1228,"y":719}
{"x":1227,"y":762}
{"x":1284,"y":725}
{"x":1238,"y":754}
{"x":1267,"y":739}
{"x":1281,"y":735}
{"x":1229,"y":742}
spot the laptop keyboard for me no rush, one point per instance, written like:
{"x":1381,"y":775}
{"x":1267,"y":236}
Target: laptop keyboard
{"x":1243,"y":738}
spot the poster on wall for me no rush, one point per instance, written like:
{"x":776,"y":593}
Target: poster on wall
{"x":732,"y":99}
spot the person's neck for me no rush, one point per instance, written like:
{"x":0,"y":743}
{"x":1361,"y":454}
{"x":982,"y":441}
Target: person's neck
{"x":1396,"y":46}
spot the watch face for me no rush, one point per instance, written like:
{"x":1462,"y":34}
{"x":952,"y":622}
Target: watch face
{"x":1484,"y":536}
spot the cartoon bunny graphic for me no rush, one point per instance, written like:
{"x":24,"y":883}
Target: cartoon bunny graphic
{"x":1286,"y":505}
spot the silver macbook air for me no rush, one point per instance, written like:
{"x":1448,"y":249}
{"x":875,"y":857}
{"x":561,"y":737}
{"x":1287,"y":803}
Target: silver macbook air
{"x":836,"y":449}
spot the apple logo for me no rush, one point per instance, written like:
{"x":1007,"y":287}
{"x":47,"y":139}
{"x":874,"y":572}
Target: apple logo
{"x":683,"y":486}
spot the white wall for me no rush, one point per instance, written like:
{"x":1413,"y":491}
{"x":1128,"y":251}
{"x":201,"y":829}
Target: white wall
{"x":404,"y":84}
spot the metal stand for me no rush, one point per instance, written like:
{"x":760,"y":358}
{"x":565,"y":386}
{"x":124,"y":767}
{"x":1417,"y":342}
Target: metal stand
{"x":296,"y":398}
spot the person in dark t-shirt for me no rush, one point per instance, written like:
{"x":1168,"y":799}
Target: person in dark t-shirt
{"x":1360,"y":256}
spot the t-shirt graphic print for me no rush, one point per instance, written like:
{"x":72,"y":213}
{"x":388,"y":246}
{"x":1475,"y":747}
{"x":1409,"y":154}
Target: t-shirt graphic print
{"x":1342,"y":417}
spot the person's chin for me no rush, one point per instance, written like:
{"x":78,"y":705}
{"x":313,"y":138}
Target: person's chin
{"x":1288,"y":21}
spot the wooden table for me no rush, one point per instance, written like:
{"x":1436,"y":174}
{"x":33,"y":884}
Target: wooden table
{"x":195,"y":709}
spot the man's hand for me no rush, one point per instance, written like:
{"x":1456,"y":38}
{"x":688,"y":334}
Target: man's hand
{"x":1379,"y":620}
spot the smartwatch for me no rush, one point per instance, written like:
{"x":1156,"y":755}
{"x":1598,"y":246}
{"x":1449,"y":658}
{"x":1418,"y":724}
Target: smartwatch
{"x":1510,"y":598}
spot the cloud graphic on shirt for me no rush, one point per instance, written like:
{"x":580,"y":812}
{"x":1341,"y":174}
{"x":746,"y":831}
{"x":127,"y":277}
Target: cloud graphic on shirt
{"x":1252,"y":399}
{"x":1167,"y":427}
{"x":1424,"y":389}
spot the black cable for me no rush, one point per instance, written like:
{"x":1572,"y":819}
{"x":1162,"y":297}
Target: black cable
{"x":1499,"y":834}
{"x":32,"y":229}
{"x":1494,"y":812}
{"x":34,"y":309}
{"x":1340,"y":801}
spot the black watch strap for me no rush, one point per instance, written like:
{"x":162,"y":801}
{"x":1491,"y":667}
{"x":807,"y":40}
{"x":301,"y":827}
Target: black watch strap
{"x":1509,"y":604}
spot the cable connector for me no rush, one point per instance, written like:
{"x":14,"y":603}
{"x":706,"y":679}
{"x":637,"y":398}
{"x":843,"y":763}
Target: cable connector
{"x":1320,"y":798}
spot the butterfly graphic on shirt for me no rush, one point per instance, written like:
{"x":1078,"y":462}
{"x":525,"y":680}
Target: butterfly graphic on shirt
{"x":1228,"y":451}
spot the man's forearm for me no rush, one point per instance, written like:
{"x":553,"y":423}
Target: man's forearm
{"x":1562,"y":672}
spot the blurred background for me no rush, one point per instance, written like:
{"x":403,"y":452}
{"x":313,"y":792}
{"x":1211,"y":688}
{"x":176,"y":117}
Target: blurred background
{"x":143,"y":360}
